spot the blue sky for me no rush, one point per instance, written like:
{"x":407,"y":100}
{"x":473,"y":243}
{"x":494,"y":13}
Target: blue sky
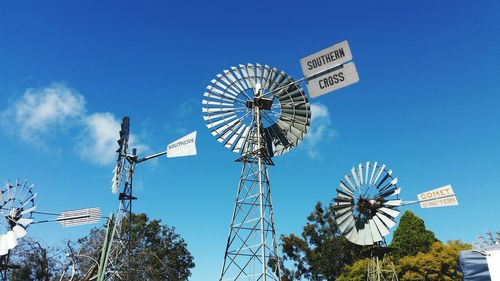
{"x":427,"y":105}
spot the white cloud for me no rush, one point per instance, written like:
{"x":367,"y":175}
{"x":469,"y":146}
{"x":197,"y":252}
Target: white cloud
{"x":41,"y":113}
{"x":320,"y":130}
{"x":44,"y":111}
{"x":98,"y":141}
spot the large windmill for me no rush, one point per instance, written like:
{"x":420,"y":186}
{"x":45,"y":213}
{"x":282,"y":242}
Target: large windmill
{"x":260,"y":112}
{"x":114,"y":263}
{"x":366,"y":206}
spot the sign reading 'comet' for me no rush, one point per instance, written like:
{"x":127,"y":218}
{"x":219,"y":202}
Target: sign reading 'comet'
{"x":439,"y":197}
{"x":185,"y":146}
{"x":325,"y":70}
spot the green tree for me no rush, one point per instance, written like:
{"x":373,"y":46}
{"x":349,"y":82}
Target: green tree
{"x":439,"y":264}
{"x":321,"y":252}
{"x":355,"y":272}
{"x":157,"y":252}
{"x":411,"y":236}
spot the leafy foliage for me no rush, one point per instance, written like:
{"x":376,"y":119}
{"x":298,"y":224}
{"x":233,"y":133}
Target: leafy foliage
{"x":321,"y":252}
{"x":411,"y":236}
{"x":355,"y":272}
{"x":439,"y":264}
{"x":156,"y":253}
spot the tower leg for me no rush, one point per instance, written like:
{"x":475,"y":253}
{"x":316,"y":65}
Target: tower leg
{"x":251,"y":251}
{"x":381,"y":269}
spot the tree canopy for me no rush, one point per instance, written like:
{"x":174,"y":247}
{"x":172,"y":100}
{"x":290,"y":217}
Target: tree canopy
{"x":321,"y":252}
{"x":411,"y":236}
{"x":438,"y":264}
{"x":156,"y":253}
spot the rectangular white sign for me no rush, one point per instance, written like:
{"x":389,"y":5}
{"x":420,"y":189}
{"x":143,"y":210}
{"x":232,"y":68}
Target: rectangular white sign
{"x":326,"y":59}
{"x":439,"y":197}
{"x":344,"y":76}
{"x":185,"y":146}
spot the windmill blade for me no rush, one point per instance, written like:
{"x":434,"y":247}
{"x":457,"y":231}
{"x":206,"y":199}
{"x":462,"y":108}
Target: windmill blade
{"x":360,"y":172}
{"x":390,"y":192}
{"x":217,"y":116}
{"x":386,"y":220}
{"x":342,"y":211}
{"x":348,"y":179}
{"x":376,"y":235}
{"x":339,"y":207}
{"x":30,"y":210}
{"x":367,"y":169}
{"x":28,"y":201}
{"x":230,"y":81}
{"x":361,"y":237}
{"x":19,"y":231}
{"x":342,"y":219}
{"x":352,"y":235}
{"x":4,"y":249}
{"x":242,"y":140}
{"x":393,"y":182}
{"x":390,"y":212}
{"x":347,"y":224}
{"x":374,"y":168}
{"x":392,"y":203}
{"x":235,"y":136}
{"x":217,"y":123}
{"x":224,"y":94}
{"x":381,"y":169}
{"x":384,"y":179}
{"x":340,"y":200}
{"x":24,"y":221}
{"x":239,"y":78}
{"x":11,"y":239}
{"x":354,"y":175}
{"x":346,"y":188}
{"x":384,"y":230}
{"x":368,"y":234}
{"x":345,"y":194}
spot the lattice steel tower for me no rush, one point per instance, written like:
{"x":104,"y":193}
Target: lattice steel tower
{"x":259,"y":112}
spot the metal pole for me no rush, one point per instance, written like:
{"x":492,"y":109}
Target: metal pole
{"x":261,"y":195}
{"x":105,"y":248}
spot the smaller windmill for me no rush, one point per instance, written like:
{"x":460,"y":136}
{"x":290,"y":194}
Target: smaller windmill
{"x":366,"y":206}
{"x":114,"y":263}
{"x":17,"y":207}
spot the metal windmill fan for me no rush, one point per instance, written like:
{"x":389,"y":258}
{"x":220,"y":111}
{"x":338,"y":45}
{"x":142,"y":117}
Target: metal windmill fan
{"x":367,"y":203}
{"x":233,"y":97}
{"x":17,"y":203}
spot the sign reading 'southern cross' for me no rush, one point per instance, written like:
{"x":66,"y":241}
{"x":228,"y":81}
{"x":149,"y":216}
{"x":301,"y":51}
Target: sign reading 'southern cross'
{"x":326,"y":71}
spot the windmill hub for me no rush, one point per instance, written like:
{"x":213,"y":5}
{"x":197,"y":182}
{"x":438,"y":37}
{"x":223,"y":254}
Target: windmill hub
{"x":261,"y":103}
